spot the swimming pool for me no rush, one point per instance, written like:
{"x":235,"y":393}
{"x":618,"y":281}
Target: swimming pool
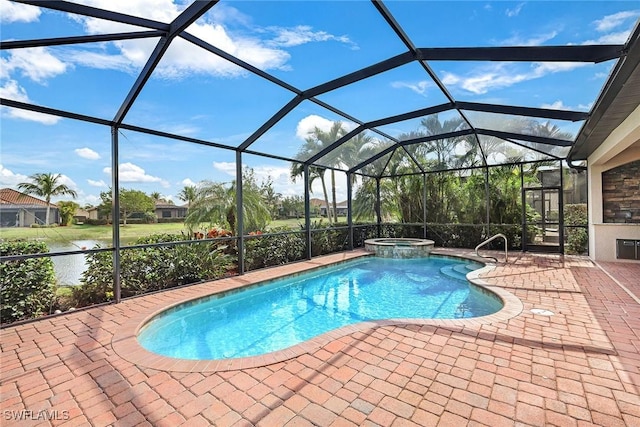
{"x":288,"y":311}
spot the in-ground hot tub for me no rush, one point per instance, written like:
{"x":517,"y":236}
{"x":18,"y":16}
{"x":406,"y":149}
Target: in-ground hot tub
{"x":397,"y":247}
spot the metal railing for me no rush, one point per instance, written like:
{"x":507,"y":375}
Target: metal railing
{"x":490,"y":239}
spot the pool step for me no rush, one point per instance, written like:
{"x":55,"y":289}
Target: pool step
{"x":455,"y":272}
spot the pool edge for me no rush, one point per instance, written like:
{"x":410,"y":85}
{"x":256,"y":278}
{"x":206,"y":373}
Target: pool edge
{"x":126,"y":345}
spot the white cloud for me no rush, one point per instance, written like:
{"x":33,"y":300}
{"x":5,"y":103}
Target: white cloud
{"x":309,"y":123}
{"x":418,"y":87}
{"x":620,"y":37}
{"x":302,"y":34}
{"x":559,"y":105}
{"x":65,"y":180}
{"x":535,"y":40}
{"x":187,"y":182}
{"x":11,"y":90}
{"x":99,"y":183}
{"x":10,"y":179}
{"x":104,"y":61}
{"x":227,"y":167}
{"x":496,"y":76}
{"x":586,"y":107}
{"x":610,"y":22}
{"x":128,"y":172}
{"x":37,"y":63}
{"x":87,"y":153}
{"x":182,"y":58}
{"x":515,"y":11}
{"x":16,"y":12}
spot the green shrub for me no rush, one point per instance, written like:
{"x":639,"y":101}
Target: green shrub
{"x":27,"y":287}
{"x":266,"y":251}
{"x":576,"y":220}
{"x":150,"y":269}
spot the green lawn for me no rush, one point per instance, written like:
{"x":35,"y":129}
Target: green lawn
{"x":129,"y":232}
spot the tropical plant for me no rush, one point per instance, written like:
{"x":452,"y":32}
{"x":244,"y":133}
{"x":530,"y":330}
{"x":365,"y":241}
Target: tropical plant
{"x":188,"y":194}
{"x":67,"y":211}
{"x":316,"y":142}
{"x":215,"y":204}
{"x":46,"y":185}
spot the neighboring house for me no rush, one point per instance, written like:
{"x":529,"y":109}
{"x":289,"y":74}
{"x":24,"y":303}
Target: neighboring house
{"x":167,"y":210}
{"x":81,"y":216}
{"x":21,"y":210}
{"x":341,"y":208}
{"x":318,"y":205}
{"x":93,"y":213}
{"x":162,"y":210}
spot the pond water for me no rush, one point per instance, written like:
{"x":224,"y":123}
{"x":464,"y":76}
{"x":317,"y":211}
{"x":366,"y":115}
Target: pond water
{"x":69,"y":268}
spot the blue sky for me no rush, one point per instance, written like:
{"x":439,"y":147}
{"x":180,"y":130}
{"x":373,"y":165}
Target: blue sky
{"x":196,"y":94}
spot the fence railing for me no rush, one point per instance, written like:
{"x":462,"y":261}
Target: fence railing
{"x":150,"y":265}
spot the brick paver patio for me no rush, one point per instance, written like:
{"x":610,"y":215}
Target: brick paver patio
{"x":577,"y":367}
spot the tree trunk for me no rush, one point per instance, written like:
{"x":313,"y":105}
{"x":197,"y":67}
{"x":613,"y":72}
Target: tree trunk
{"x":333,"y":194}
{"x":46,"y":216}
{"x":326,"y":196}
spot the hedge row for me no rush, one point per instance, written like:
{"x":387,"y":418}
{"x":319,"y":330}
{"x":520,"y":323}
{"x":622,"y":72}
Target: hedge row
{"x":27,"y":287}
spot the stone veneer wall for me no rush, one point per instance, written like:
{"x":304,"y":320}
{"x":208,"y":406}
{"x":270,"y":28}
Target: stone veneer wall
{"x":621,"y":194}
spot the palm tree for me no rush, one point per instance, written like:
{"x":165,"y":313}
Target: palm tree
{"x":46,"y":185}
{"x":188,"y":194}
{"x":316,"y":142}
{"x":315,"y":172}
{"x":215,"y":203}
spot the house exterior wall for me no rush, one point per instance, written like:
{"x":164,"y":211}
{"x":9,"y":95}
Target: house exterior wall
{"x":174,"y":212}
{"x":25,"y":216}
{"x":622,"y":147}
{"x":621,"y":194}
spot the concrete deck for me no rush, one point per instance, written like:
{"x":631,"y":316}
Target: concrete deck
{"x":577,"y":367}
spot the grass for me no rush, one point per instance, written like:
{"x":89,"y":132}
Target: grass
{"x":128,"y":233}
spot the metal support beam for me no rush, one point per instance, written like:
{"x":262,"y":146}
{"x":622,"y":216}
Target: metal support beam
{"x":115,"y":214}
{"x":349,"y":207}
{"x":409,"y":142}
{"x":561,"y":210}
{"x":94,"y":12}
{"x":53,"y":112}
{"x":544,"y":113}
{"x":307,"y":211}
{"x":523,"y":200}
{"x":571,"y":53}
{"x":531,"y":138}
{"x":364,"y":73}
{"x":487,"y":201}
{"x":239,"y":213}
{"x":271,"y":122}
{"x":97,"y":38}
{"x":424,"y":204}
{"x":377,"y":207}
{"x":186,"y":18}
{"x":335,"y":145}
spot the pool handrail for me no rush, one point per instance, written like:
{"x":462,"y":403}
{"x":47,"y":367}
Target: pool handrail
{"x":490,"y":239}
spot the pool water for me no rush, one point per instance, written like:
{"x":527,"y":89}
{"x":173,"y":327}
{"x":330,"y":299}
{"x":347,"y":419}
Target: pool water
{"x":291,"y":310}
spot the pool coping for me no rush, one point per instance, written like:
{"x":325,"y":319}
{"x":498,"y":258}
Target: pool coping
{"x":126,"y":345}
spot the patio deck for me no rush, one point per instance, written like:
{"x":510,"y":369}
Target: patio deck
{"x":578,"y":367}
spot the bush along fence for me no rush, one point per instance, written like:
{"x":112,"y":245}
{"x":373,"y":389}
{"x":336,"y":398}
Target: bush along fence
{"x":165,"y":261}
{"x":27,"y":286}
